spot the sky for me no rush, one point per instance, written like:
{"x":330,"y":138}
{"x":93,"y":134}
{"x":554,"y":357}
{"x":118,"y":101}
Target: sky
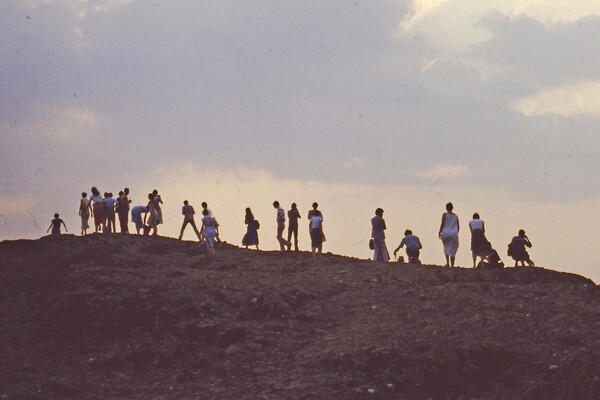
{"x":404,"y":105}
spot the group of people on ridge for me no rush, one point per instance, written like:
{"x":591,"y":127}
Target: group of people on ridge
{"x":448,"y":233}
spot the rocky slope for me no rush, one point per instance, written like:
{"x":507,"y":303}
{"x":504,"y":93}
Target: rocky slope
{"x":128,"y":317}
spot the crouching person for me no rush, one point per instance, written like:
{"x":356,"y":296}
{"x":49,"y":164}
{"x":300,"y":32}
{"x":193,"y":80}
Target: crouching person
{"x":413,"y":247}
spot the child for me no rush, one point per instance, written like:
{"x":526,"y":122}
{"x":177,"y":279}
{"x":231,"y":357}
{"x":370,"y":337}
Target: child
{"x":55,"y":225}
{"x":413,"y":245}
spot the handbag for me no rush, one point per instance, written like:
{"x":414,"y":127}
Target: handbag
{"x":371,"y":244}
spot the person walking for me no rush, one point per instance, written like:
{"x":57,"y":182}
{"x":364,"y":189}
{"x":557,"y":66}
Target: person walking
{"x":380,"y":252}
{"x":293,"y":216}
{"x":280,"y":218}
{"x":55,"y":225}
{"x":448,"y":232}
{"x":188,"y":218}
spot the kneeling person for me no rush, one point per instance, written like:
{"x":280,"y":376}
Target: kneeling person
{"x":413,"y":245}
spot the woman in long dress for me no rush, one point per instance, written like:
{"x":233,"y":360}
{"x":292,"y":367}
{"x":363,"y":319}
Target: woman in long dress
{"x":97,"y":203}
{"x":449,"y":234}
{"x":480,"y":246}
{"x":84,"y":213}
{"x":251,"y":236}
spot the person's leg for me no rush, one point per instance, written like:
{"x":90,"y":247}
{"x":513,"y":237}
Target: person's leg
{"x":193,"y":223}
{"x":280,"y":239}
{"x":474,"y":259}
{"x":295,"y":232}
{"x":447,"y":261}
{"x":185,"y":222}
{"x":452,"y":258}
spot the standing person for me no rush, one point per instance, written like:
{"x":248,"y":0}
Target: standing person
{"x":208,"y":231}
{"x":293,"y":216}
{"x":109,"y":210}
{"x":55,"y":225}
{"x":280,"y":218}
{"x":449,"y":234}
{"x":315,"y":205}
{"x":251,"y":236}
{"x":210,"y":214}
{"x":124,"y":206}
{"x":152,"y":210}
{"x":480,"y":246}
{"x":377,"y":233}
{"x":97,"y":203}
{"x":84,"y":213}
{"x":136,"y":217}
{"x":157,"y":204}
{"x":413,"y":247}
{"x":316,"y":232}
{"x":516,"y":249}
{"x":188,"y":218}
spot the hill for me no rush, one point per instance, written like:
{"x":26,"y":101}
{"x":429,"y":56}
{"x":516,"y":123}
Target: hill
{"x":129,"y":317}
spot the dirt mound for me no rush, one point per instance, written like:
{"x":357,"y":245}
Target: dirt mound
{"x":128,"y":317}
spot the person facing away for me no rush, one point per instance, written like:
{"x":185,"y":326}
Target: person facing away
{"x":449,"y":234}
{"x":109,"y":209}
{"x":97,"y":203}
{"x":55,"y":225}
{"x":84,"y":213}
{"x":480,"y":246}
{"x":280,"y":218}
{"x":210,"y":214}
{"x":157,"y":205}
{"x":380,"y":252}
{"x":413,"y":247}
{"x":293,"y":216}
{"x":316,"y":233}
{"x":208,"y":231}
{"x":251,"y":236}
{"x":516,"y":249}
{"x":188,"y":218}
{"x":124,"y":206}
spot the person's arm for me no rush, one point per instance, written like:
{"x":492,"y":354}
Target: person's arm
{"x":420,"y":245}
{"x":457,"y":224}
{"x":49,"y":227}
{"x":483,"y":226}
{"x":65,"y":225}
{"x":442,"y":225}
{"x":470,"y":227}
{"x":399,"y":246}
{"x":527,"y":242}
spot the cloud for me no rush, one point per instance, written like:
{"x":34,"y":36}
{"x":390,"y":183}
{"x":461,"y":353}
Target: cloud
{"x":64,"y":122}
{"x":446,"y":171}
{"x":568,"y":100}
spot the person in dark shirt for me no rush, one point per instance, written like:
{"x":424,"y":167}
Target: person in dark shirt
{"x":293,"y":216}
{"x":55,"y":225}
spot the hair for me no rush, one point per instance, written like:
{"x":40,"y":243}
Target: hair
{"x":407,"y":232}
{"x":379,"y":211}
{"x":55,"y":215}
{"x":248,"y":210}
{"x":121,"y":193}
{"x":475,"y":216}
{"x":150,"y":196}
{"x":318,"y":213}
{"x":95,"y":191}
{"x":155,"y":192}
{"x":204,"y":205}
{"x":185,"y":202}
{"x":315,"y":205}
{"x":83,"y":194}
{"x":294,"y":205}
{"x":205,"y":212}
{"x":275,"y":203}
{"x":126,"y":190}
{"x":449,"y":207}
{"x":521,"y":233}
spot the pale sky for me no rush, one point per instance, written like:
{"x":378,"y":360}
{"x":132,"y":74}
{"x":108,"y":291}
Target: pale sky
{"x":404,"y":105}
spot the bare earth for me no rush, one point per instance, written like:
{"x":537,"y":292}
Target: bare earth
{"x":128,"y":317}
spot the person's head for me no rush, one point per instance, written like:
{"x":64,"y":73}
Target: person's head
{"x":150,"y":196}
{"x":294,"y":206}
{"x":55,"y":215}
{"x":276,"y":204}
{"x":315,"y":205}
{"x":110,"y":194}
{"x":95,"y":191}
{"x":185,"y":202}
{"x":205,"y":212}
{"x":475,"y":216}
{"x":105,"y":194}
{"x":379,"y":212}
{"x":155,"y":192}
{"x":83,"y":195}
{"x":318,"y":213}
{"x":248,"y":210}
{"x":521,"y":233}
{"x":126,"y":190}
{"x":407,"y":232}
{"x":449,"y":207}
{"x":121,"y":193}
{"x":204,"y":205}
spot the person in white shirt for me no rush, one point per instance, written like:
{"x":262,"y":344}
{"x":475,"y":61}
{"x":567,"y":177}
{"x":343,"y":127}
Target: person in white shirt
{"x":281,"y":227}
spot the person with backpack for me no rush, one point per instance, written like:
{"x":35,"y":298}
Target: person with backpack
{"x":516,"y":249}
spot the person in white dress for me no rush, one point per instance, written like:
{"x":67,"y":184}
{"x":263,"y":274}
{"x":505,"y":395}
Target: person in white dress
{"x":449,"y":234}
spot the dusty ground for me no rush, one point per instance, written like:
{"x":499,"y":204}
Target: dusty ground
{"x":127,"y":317}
